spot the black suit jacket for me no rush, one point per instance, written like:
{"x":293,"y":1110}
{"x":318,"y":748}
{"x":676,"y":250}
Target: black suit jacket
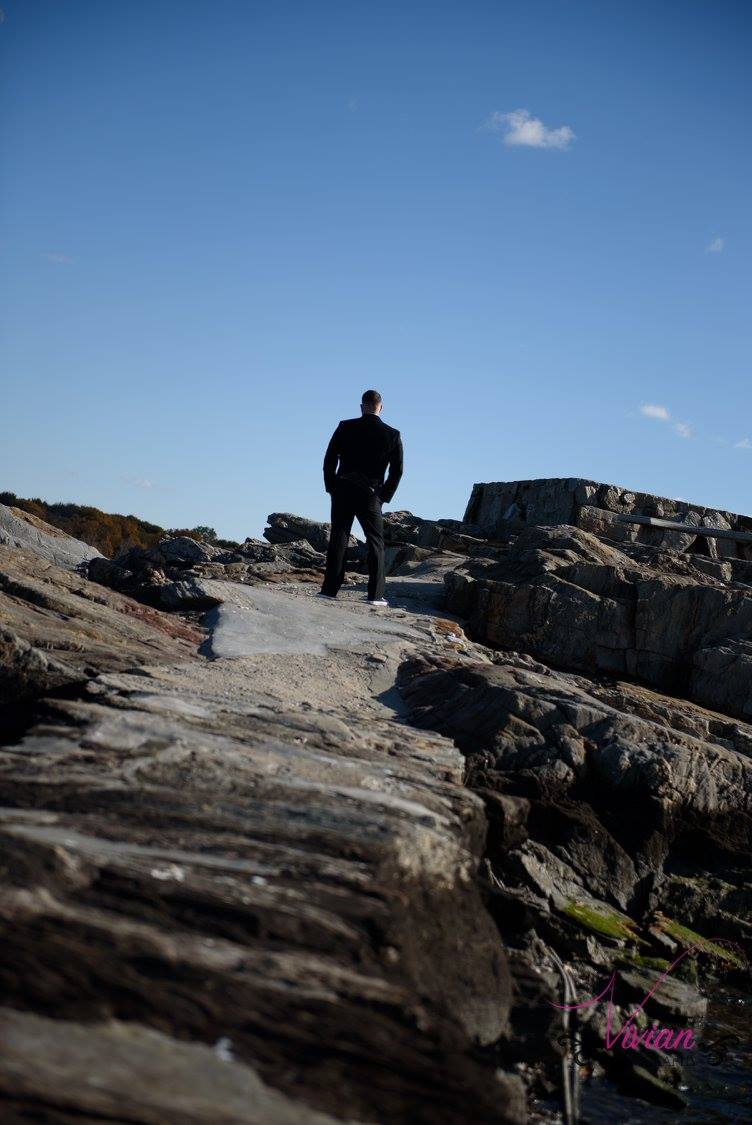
{"x":361,"y":450}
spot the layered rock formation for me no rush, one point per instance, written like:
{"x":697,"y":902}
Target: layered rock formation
{"x":570,"y":599}
{"x":236,"y":885}
{"x":230,"y":891}
{"x":617,"y":784}
{"x":620,"y":824}
{"x":254,"y":874}
{"x":509,"y":506}
{"x":58,"y":631}
{"x":21,"y":529}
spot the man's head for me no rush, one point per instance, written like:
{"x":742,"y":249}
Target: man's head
{"x":370,"y":403}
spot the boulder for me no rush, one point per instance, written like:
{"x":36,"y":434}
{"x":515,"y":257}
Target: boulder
{"x":105,"y":572}
{"x":672,"y":999}
{"x":402,"y":526}
{"x":295,"y":553}
{"x":400,"y":559}
{"x":188,"y":593}
{"x":287,"y":528}
{"x":181,"y":550}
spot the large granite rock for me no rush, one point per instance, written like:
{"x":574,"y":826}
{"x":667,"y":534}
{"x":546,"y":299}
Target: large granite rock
{"x":188,"y":593}
{"x":21,"y":529}
{"x":565,"y":597}
{"x":505,"y":506}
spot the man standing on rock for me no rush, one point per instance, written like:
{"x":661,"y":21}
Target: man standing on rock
{"x":356,"y":461}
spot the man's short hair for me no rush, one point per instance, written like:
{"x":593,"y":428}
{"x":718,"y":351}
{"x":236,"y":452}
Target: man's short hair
{"x":371,"y":399}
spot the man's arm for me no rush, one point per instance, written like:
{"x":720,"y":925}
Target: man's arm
{"x":389,"y":486}
{"x":331,"y":458}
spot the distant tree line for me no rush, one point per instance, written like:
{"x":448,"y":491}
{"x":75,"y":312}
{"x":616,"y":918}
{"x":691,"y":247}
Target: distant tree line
{"x":108,"y":532}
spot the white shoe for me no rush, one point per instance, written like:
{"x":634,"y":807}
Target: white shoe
{"x":377,"y":601}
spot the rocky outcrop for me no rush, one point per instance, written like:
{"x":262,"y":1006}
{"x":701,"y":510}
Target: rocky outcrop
{"x":240,"y":889}
{"x":172,"y":575}
{"x":620,"y":824}
{"x":660,"y":776}
{"x":57,"y":630}
{"x":567,"y":598}
{"x":402,"y":527}
{"x":250,"y":881}
{"x":284,"y":527}
{"x":270,"y":879}
{"x":21,"y":529}
{"x":295,"y":554}
{"x":181,"y":550}
{"x":508,"y":506}
{"x":402,"y":531}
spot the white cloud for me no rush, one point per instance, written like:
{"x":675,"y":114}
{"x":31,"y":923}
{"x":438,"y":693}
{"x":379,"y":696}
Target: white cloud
{"x":745,"y":443}
{"x":139,"y":482}
{"x":521,"y":128}
{"x":58,"y":259}
{"x":662,"y":414}
{"x":653,"y":410}
{"x":715,"y":246}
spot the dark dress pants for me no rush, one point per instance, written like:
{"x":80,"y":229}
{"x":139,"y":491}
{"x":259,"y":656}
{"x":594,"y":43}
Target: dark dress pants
{"x":350,"y":502}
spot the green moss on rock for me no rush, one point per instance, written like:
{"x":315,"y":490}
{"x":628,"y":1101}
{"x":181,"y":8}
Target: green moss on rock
{"x":605,"y":922}
{"x":658,"y":964}
{"x":687,"y":938}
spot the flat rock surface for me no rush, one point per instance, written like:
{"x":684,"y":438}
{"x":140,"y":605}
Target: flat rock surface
{"x":253,"y":620}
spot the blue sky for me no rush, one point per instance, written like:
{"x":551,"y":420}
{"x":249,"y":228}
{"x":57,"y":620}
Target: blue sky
{"x":527,"y":225}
